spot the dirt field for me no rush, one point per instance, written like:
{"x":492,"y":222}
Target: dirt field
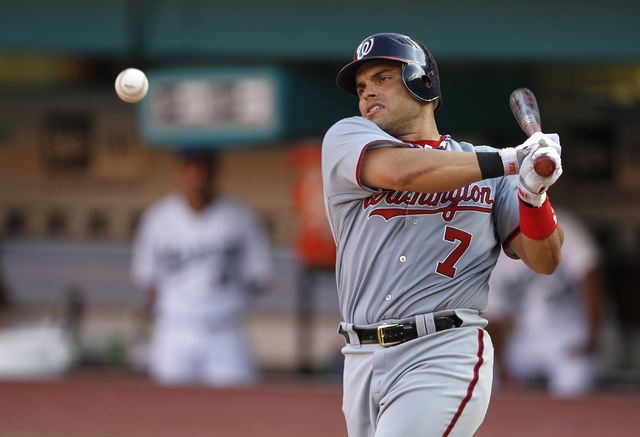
{"x":117,"y":406}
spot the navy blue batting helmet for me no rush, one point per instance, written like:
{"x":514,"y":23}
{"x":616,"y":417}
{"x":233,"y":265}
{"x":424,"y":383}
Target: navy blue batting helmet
{"x":418,"y":65}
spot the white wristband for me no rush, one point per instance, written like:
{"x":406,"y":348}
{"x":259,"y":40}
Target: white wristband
{"x":509,"y":157}
{"x":527,"y":196}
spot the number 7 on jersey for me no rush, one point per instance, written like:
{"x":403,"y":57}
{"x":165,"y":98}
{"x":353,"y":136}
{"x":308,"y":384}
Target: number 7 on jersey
{"x":453,"y":235}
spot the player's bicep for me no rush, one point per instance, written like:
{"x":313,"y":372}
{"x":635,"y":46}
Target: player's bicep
{"x":372,"y":172}
{"x":541,"y":256}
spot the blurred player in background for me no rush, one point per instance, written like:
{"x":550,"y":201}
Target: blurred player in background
{"x":546,"y":327}
{"x":200,"y":255}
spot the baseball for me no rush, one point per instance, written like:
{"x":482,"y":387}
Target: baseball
{"x":132,"y":85}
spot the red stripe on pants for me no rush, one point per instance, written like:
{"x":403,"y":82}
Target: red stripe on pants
{"x":472,"y":384}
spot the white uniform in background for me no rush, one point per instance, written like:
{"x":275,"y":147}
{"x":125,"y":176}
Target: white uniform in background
{"x":548,"y":315}
{"x":203,"y":266}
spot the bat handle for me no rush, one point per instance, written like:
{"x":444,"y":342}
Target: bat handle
{"x":531,"y":127}
{"x":544,"y":165}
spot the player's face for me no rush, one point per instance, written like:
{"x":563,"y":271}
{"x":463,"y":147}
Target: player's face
{"x":385,"y":100}
{"x":195,"y":180}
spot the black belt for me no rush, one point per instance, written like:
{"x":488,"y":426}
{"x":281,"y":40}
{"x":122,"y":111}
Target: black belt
{"x":389,"y":335}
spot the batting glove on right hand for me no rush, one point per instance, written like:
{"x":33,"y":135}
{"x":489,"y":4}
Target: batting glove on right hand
{"x":532,"y":186}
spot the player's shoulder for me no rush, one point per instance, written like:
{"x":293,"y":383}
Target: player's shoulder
{"x":232,"y":205}
{"x":230,"y":202}
{"x":355,"y":132}
{"x":351,"y":121}
{"x":167,"y":204}
{"x":353,"y":124}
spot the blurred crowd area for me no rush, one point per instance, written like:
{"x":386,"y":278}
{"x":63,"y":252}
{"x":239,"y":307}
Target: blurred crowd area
{"x":77,"y":171}
{"x":68,"y":303}
{"x":67,"y":225}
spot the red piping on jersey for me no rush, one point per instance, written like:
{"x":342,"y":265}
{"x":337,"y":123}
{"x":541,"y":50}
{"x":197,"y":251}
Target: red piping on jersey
{"x":434,"y":144}
{"x":472,"y":385}
{"x":510,"y":237}
{"x":364,"y":149}
{"x":431,"y":143}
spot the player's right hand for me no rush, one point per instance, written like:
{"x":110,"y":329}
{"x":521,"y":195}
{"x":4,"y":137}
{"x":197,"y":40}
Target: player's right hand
{"x":532,"y":186}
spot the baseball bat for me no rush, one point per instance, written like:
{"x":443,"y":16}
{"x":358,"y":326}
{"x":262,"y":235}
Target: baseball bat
{"x":525,"y":110}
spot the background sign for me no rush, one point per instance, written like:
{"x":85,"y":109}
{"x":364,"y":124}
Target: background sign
{"x":213,"y":107}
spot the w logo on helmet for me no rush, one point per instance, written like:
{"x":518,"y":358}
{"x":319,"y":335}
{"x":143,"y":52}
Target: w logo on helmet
{"x":364,"y":48}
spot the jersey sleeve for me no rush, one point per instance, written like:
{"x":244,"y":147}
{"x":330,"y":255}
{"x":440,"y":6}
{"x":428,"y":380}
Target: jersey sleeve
{"x":506,"y":208}
{"x":257,"y":262}
{"x":342,"y":150}
{"x":143,"y":268}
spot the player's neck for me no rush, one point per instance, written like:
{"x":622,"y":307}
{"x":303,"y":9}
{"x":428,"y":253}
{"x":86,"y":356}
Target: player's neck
{"x":426,"y":132}
{"x":422,"y":127}
{"x":199,"y":202}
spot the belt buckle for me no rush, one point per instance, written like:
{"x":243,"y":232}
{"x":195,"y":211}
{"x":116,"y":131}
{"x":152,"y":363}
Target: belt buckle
{"x":381,"y":335}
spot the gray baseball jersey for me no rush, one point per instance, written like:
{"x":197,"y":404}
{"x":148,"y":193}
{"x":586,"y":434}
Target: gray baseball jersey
{"x":400,"y":254}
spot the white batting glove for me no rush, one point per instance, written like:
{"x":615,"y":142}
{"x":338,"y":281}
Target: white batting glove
{"x":532,"y":186}
{"x":512,"y":157}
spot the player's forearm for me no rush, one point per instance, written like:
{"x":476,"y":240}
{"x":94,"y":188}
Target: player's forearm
{"x":541,"y":256}
{"x":419,"y":170}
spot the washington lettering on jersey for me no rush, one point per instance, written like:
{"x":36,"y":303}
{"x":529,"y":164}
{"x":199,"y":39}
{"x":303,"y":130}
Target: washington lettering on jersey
{"x":469,"y":198}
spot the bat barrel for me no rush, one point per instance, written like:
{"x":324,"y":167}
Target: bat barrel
{"x":525,"y":109}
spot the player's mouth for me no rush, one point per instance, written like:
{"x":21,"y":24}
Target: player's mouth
{"x":373,"y":109}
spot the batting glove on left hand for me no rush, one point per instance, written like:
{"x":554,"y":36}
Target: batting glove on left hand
{"x":512,"y":157}
{"x":532,"y":186}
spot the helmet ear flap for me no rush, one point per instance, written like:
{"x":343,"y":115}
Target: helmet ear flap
{"x":414,"y":79}
{"x":418,"y":83}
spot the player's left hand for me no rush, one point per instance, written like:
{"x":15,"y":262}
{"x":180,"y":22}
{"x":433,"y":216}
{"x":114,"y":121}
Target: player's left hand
{"x":512,"y":157}
{"x":533,"y":187}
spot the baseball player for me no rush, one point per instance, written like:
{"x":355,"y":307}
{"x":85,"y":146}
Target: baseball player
{"x":419,"y":220}
{"x":201,"y":255}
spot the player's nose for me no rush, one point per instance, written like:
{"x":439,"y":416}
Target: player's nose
{"x":371,"y":90}
{"x":367,"y":92}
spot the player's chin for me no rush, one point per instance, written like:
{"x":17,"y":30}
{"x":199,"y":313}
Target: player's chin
{"x":375,"y":117}
{"x":380,"y":121}
{"x":375,"y":114}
